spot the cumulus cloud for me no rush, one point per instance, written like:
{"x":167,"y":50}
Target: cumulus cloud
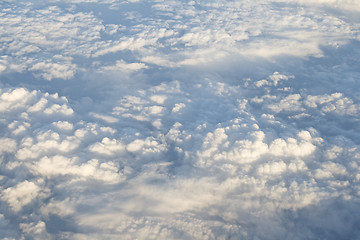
{"x":54,"y":70}
{"x":107,"y":147}
{"x":13,"y":99}
{"x":7,"y":145}
{"x":62,"y":166}
{"x":22,"y":194}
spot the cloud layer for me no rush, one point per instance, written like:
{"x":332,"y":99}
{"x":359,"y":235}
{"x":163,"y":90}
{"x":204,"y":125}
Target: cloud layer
{"x":179,"y":120}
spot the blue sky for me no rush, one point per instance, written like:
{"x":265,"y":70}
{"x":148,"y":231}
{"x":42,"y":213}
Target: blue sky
{"x":150,"y":119}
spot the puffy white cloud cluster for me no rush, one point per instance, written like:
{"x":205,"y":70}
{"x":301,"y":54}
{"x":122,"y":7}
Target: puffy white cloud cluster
{"x":54,"y":41}
{"x":179,"y":120}
{"x":44,"y":41}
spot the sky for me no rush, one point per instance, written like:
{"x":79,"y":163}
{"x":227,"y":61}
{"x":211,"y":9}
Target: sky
{"x":152,"y":119}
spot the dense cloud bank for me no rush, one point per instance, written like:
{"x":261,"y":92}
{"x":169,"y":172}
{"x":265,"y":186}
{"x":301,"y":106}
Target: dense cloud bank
{"x":179,"y":119}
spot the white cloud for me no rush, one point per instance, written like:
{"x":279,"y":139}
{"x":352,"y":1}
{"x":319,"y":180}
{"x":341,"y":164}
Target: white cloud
{"x":58,"y":109}
{"x":289,"y":103}
{"x":16,"y":98}
{"x":63,"y":125}
{"x":178,"y":107}
{"x":274,"y":168}
{"x":39,"y":106}
{"x":59,"y":208}
{"x":22,"y":194}
{"x":54,"y":70}
{"x":159,"y":99}
{"x":35,"y":229}
{"x":59,"y":165}
{"x":108,"y":147}
{"x":7,"y":145}
{"x":28,"y":38}
{"x":145,"y":147}
{"x":291,"y":147}
{"x":277,"y":77}
{"x":46,"y":143}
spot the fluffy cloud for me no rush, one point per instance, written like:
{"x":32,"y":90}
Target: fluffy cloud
{"x":107,"y":147}
{"x":80,"y":39}
{"x":54,"y":70}
{"x":62,"y":166}
{"x":22,"y":194}
{"x":7,"y":145}
{"x":17,"y":98}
